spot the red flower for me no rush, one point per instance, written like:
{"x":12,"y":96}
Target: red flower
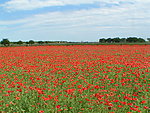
{"x":134,"y":109}
{"x":10,"y":91}
{"x":41,"y":111}
{"x":40,"y":92}
{"x":145,"y":107}
{"x":69,"y":91}
{"x":20,"y":90}
{"x":130,"y":104}
{"x":109,"y":108}
{"x":79,"y":86}
{"x":96,"y":87}
{"x":44,"y":98}
{"x":17,"y":98}
{"x":87,"y":99}
{"x":120,"y":106}
{"x":116,"y":100}
{"x":58,"y":106}
{"x":142,"y":102}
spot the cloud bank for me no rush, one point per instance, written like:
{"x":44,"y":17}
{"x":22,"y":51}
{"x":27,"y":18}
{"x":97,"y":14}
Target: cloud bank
{"x":123,"y":19}
{"x":34,"y":4}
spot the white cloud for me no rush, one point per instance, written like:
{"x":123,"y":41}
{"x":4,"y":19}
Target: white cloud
{"x":75,"y":18}
{"x":29,"y":4}
{"x":123,"y":15}
{"x":34,"y":4}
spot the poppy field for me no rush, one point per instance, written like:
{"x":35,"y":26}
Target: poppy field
{"x":75,"y":79}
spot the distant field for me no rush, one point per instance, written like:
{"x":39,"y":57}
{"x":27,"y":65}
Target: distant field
{"x":73,"y":43}
{"x":75,"y":79}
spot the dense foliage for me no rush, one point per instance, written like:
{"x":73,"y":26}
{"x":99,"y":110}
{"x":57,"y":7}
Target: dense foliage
{"x":5,"y":42}
{"x":122,"y":40}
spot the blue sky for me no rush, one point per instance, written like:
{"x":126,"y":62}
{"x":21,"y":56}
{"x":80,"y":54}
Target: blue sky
{"x":73,"y":20}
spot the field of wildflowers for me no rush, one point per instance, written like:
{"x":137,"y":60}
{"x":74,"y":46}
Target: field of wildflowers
{"x":75,"y":79}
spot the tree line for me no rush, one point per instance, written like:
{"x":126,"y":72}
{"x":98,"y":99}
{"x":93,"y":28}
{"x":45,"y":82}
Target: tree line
{"x":6,"y":42}
{"x":123,"y":40}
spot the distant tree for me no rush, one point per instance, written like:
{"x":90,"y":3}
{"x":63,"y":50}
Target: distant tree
{"x":19,"y":42}
{"x":31,"y":42}
{"x":14,"y":42}
{"x":40,"y":42}
{"x":141,"y":40}
{"x":116,"y":40}
{"x":123,"y":40}
{"x":27,"y":42}
{"x":5,"y":42}
{"x":109,"y":40}
{"x":46,"y":42}
{"x":132,"y":39}
{"x":148,"y":39}
{"x":103,"y":40}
